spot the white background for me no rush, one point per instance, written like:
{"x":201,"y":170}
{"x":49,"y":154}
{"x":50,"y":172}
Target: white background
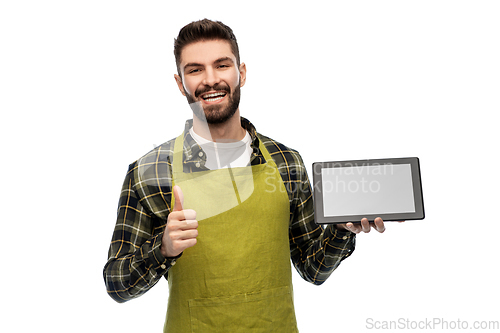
{"x":86,"y":87}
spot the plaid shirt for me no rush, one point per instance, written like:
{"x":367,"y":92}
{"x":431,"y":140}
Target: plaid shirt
{"x":135,"y":263}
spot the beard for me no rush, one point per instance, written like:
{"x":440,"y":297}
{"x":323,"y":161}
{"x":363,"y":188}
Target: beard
{"x":215,"y":114}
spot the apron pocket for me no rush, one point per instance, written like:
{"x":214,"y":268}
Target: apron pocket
{"x":264,"y":311}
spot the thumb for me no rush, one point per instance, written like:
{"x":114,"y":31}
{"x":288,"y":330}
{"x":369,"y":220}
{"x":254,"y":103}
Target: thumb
{"x":179,"y":198}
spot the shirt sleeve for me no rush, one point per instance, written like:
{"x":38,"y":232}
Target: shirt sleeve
{"x":315,"y":251}
{"x":135,"y":263}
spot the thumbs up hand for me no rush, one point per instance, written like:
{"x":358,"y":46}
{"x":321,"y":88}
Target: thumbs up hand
{"x":181,"y":230}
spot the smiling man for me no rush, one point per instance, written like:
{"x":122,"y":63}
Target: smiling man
{"x":210,"y":76}
{"x":220,"y":210}
{"x":210,"y":82}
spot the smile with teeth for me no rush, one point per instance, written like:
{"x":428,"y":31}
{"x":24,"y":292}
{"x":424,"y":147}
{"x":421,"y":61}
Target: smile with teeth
{"x":213,"y":97}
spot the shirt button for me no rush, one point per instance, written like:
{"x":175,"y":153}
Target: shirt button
{"x":173,"y":262}
{"x":163,"y":266}
{"x":200,"y":154}
{"x":344,"y":238}
{"x":197,"y":164}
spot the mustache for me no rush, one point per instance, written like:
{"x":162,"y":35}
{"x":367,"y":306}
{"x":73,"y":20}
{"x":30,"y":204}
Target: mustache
{"x":218,"y":86}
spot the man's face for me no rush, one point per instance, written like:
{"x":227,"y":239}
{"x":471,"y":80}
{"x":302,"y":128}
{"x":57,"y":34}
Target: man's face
{"x":210,"y":78}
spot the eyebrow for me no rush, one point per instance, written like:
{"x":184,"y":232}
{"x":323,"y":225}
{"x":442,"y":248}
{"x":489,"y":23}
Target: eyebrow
{"x":223,"y":59}
{"x":195,"y":64}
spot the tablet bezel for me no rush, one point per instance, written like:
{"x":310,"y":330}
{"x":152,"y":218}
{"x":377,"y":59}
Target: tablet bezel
{"x":414,"y":163}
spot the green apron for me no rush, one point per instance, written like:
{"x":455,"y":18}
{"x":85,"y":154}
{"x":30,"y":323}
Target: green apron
{"x":237,"y":278}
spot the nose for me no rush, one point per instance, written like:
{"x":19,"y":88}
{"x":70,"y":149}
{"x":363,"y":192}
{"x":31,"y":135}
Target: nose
{"x":211,"y":78}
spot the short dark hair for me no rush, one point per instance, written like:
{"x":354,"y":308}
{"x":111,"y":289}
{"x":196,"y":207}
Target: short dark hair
{"x":204,"y":30}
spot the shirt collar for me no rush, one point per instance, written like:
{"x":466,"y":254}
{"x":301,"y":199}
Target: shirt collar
{"x":195,"y":157}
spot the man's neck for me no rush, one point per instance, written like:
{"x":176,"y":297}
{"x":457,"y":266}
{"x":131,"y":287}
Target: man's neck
{"x":229,"y":131}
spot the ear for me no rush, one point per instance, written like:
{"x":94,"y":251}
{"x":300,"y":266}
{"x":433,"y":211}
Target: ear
{"x":243,"y":74}
{"x":178,"y":80}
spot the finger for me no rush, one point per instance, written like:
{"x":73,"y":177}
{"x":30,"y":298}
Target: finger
{"x":365,"y":225}
{"x":189,"y":214}
{"x":188,"y":234}
{"x":188,"y":243}
{"x":180,"y":245}
{"x":178,"y":198}
{"x":352,"y":228}
{"x":189,"y":224}
{"x":379,"y":225}
{"x":341,"y":226}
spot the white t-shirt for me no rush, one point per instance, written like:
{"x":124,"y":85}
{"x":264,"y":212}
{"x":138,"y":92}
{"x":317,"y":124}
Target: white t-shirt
{"x":223,"y":155}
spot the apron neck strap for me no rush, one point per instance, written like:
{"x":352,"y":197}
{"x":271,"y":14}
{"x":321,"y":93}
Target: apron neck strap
{"x":265,"y":153}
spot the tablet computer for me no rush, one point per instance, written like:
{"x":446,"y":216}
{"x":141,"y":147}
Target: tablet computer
{"x":347,"y":191}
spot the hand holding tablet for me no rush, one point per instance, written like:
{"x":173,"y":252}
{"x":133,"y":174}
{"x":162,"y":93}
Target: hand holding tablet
{"x":364,"y":190}
{"x":363,"y":226}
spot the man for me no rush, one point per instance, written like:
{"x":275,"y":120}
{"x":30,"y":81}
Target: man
{"x":220,"y":210}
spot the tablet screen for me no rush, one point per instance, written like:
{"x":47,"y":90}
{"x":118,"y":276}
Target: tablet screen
{"x":351,"y":190}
